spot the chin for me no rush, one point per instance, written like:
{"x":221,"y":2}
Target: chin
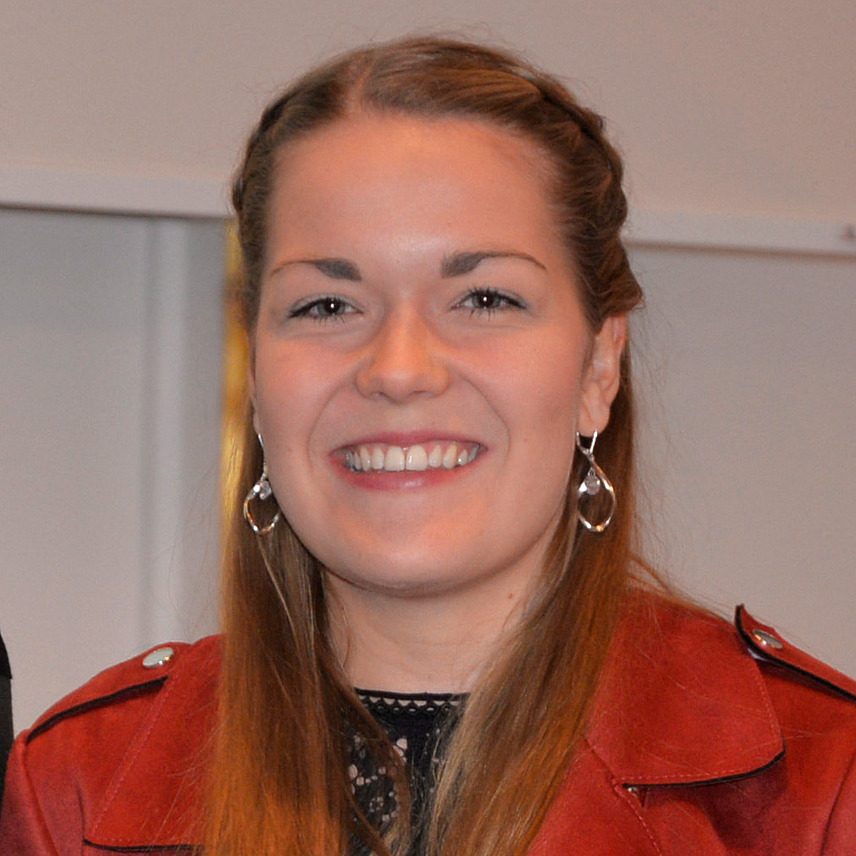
{"x":410,"y":581}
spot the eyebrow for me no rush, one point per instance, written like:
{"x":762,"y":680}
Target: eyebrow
{"x":457,"y":264}
{"x":332,"y":268}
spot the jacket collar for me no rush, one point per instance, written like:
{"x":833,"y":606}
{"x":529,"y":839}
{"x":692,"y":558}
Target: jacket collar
{"x":681,"y":701}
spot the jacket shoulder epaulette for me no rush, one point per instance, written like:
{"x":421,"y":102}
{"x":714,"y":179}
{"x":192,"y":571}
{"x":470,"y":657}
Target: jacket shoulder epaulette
{"x":138,"y":676}
{"x":118,"y":765}
{"x":767,"y":645}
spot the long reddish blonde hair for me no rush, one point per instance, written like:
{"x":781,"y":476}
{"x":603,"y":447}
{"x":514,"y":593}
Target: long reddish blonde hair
{"x":279,"y":781}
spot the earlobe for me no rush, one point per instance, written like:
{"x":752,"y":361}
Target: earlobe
{"x":602,"y":377}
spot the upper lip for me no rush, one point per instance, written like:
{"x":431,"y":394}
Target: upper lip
{"x":409,"y":438}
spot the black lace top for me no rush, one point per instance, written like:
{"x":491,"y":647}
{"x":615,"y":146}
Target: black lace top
{"x":414,"y":725}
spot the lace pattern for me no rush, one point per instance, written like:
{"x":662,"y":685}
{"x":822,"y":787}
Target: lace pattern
{"x":415,"y":725}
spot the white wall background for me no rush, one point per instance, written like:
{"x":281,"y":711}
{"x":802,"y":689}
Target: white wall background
{"x":747,"y":363}
{"x":110,"y":348}
{"x":737,"y":120}
{"x":723,"y":107}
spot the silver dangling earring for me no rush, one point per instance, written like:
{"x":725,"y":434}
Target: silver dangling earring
{"x":262,"y":491}
{"x":593,"y":482}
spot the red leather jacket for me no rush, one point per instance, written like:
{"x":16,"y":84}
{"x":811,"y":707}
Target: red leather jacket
{"x":704,"y":739}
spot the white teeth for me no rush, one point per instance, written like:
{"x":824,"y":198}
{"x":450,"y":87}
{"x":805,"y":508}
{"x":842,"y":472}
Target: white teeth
{"x":435,"y":459}
{"x":415,"y":458}
{"x":394,"y":462}
{"x":451,"y":456}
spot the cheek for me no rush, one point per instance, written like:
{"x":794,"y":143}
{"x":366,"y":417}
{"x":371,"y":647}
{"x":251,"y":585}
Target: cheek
{"x":543,"y":390}
{"x":295,"y":390}
{"x":283,"y":397}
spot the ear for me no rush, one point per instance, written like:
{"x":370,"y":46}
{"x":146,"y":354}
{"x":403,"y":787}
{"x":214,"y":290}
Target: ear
{"x":602,"y":375}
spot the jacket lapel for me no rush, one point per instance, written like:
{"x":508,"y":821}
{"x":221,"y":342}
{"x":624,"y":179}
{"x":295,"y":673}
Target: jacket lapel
{"x":680,"y":703}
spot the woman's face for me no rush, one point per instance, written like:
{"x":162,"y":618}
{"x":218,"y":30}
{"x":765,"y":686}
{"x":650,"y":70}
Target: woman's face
{"x":421,"y":362}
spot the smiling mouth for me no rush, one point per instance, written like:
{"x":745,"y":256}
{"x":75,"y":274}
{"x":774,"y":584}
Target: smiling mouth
{"x":437,"y":455}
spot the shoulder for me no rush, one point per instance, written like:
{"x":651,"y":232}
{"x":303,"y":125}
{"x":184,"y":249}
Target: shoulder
{"x":779,"y":657}
{"x":691,"y":639}
{"x":677,"y":674}
{"x":726,"y":729}
{"x":133,"y":685}
{"x":118,"y":762}
{"x":683,"y":633}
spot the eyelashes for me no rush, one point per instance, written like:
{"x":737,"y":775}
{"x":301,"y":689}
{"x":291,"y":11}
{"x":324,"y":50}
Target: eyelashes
{"x":477,"y":301}
{"x":327,"y":308}
{"x":489,"y":301}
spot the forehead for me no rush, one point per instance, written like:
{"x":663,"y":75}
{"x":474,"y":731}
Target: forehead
{"x":391,"y":131}
{"x":441,"y":174}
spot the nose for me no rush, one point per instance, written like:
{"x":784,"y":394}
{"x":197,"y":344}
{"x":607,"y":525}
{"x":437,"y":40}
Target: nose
{"x":403,"y":359}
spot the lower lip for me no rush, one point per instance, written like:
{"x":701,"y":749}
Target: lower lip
{"x":404,"y":480}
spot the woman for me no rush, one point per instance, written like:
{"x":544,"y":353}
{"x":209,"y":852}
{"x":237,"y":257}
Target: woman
{"x":435,"y":636}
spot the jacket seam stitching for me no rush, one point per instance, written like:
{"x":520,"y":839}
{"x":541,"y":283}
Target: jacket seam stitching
{"x":631,"y":802}
{"x":689,"y":781}
{"x":91,"y":704}
{"x":140,"y":848}
{"x":128,"y":761}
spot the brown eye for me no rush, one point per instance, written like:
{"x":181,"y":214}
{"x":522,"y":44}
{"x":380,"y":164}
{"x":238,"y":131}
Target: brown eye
{"x":486,"y":300}
{"x":323,"y":308}
{"x":489,"y":300}
{"x":331,"y":306}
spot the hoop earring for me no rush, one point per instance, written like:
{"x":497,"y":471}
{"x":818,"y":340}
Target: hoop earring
{"x":593,"y":481}
{"x":262,"y":491}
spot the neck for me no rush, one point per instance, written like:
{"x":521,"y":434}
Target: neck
{"x":438,"y":643}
